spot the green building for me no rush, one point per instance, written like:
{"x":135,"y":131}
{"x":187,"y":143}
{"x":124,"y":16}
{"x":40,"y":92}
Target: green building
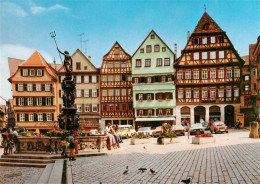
{"x":153,"y":82}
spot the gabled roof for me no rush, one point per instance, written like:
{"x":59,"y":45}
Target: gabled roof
{"x":121,"y":48}
{"x":207,"y":25}
{"x":13,"y":64}
{"x":56,"y":66}
{"x":159,"y":39}
{"x":246,"y":59}
{"x":35,"y":59}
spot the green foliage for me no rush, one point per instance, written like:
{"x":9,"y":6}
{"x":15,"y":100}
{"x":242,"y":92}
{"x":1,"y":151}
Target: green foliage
{"x":141,"y":136}
{"x":167,"y":131}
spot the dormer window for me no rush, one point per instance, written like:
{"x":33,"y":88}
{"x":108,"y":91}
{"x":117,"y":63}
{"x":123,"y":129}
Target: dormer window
{"x":25,"y":72}
{"x":39,"y":72}
{"x":152,"y":36}
{"x":32,"y":72}
{"x":204,"y":40}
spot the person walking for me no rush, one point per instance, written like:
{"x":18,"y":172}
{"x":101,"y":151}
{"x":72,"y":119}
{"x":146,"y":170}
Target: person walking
{"x":63,"y":145}
{"x":72,"y":147}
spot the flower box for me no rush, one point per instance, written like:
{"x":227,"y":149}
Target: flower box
{"x":135,"y":141}
{"x":164,"y":141}
{"x":203,"y":140}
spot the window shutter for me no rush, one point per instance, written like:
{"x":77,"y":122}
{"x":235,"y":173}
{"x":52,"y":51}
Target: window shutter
{"x":144,"y":96}
{"x":90,"y":93}
{"x":44,"y":116}
{"x":34,"y":87}
{"x":136,"y":96}
{"x":25,"y":102}
{"x":90,"y":79}
{"x":43,"y":87}
{"x":21,"y":72}
{"x":42,"y":72}
{"x":97,"y":107}
{"x":152,"y":95}
{"x":138,"y":112}
{"x":25,"y":87}
{"x":156,"y":96}
{"x":50,"y":87}
{"x":90,"y":107}
{"x":97,"y":92}
{"x":34,"y":101}
{"x":52,"y":116}
{"x":164,"y":111}
{"x":82,"y":79}
{"x":82,"y":93}
{"x":26,"y":117}
{"x":60,"y":93}
{"x":43,"y":101}
{"x":17,"y":99}
{"x":18,"y":117}
{"x":184,"y":93}
{"x":16,"y":87}
{"x":51,"y":101}
{"x":157,"y":112}
{"x":191,"y":56}
{"x":171,"y":111}
{"x":217,"y":54}
{"x":97,"y":78}
{"x":208,"y":40}
{"x":35,"y":117}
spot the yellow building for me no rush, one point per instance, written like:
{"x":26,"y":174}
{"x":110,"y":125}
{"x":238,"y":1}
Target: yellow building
{"x":34,"y":87}
{"x":86,"y":77}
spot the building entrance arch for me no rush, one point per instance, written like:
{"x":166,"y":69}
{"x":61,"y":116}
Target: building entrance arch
{"x":229,"y":115}
{"x":214,"y":113}
{"x":199,"y":114}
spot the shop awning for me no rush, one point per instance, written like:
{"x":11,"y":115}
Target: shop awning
{"x":156,"y":119}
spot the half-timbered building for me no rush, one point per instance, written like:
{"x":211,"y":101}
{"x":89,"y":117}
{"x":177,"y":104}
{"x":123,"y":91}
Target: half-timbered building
{"x":116,"y":88}
{"x":208,"y":76}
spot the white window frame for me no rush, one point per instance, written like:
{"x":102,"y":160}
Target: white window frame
{"x":110,"y":65}
{"x":221,"y":74}
{"x":236,"y":72}
{"x":94,"y":108}
{"x":38,"y":87}
{"x":179,"y":75}
{"x":117,"y":65}
{"x":213,"y":74}
{"x":94,"y":79}
{"x":196,"y":94}
{"x":229,"y":73}
{"x":228,"y":93}
{"x":221,"y":93}
{"x":48,"y":117}
{"x":29,"y":87}
{"x":117,"y":77}
{"x":213,"y":55}
{"x":40,"y":117}
{"x":123,"y":65}
{"x":159,"y":62}
{"x":31,"y":117}
{"x":110,"y":78}
{"x":86,"y":78}
{"x":180,"y":94}
{"x":111,"y":92}
{"x":47,"y":87}
{"x":212,"y":93}
{"x":32,"y":72}
{"x":21,"y":101}
{"x":149,"y":96}
{"x":39,"y":101}
{"x":204,"y":94}
{"x":212,"y":39}
{"x":204,"y":40}
{"x":78,"y":92}
{"x":78,"y":79}
{"x":188,"y":93}
{"x":187,"y":75}
{"x":86,"y":92}
{"x":22,"y":117}
{"x":94,"y":93}
{"x":25,"y":72}
{"x":236,"y":92}
{"x":79,"y":107}
{"x":117,"y":92}
{"x":140,"y":96}
{"x":196,"y":56}
{"x":149,"y":79}
{"x":30,"y":101}
{"x":123,"y":92}
{"x":136,"y":80}
{"x":39,"y":72}
{"x":204,"y":74}
{"x":196,"y":74}
{"x":129,"y":77}
{"x":48,"y":101}
{"x":104,"y":92}
{"x":167,"y":62}
{"x":87,"y":107}
{"x":138,"y":63}
{"x":20,"y":87}
{"x":204,"y":55}
{"x":221,"y":54}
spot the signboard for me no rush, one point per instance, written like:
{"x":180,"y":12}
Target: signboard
{"x":241,"y":118}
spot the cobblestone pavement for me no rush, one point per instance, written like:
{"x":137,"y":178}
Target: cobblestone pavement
{"x":234,"y":158}
{"x":19,"y":175}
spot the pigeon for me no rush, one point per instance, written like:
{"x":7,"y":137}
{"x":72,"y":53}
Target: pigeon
{"x":126,"y":170}
{"x":142,"y":169}
{"x":152,"y":171}
{"x":186,"y":181}
{"x":144,"y":147}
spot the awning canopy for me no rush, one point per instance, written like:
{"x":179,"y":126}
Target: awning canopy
{"x":156,"y":119}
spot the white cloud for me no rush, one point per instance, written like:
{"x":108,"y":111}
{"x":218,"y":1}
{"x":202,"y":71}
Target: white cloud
{"x":8,"y":9}
{"x":40,"y":9}
{"x":18,"y":52}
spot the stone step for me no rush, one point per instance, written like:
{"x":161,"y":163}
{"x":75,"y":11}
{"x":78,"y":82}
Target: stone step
{"x":27,"y":156}
{"x":13,"y":164}
{"x":44,"y":178}
{"x":39,"y":161}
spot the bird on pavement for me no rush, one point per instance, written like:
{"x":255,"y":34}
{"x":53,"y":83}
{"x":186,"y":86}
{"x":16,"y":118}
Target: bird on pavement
{"x":126,"y":170}
{"x":142,"y":169}
{"x":152,"y":171}
{"x":187,"y":181}
{"x":144,"y":147}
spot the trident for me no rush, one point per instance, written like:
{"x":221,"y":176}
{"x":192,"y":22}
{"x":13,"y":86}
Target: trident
{"x":53,"y":35}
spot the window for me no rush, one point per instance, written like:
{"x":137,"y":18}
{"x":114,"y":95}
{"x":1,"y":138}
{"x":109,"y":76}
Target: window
{"x":196,"y":74}
{"x":111,"y":107}
{"x":40,"y":117}
{"x":152,"y":36}
{"x":22,"y":117}
{"x":157,"y":48}
{"x":196,"y":41}
{"x":229,"y":73}
{"x":78,"y":66}
{"x":39,"y":72}
{"x":79,"y":108}
{"x":221,"y":55}
{"x":116,"y":50}
{"x":247,"y":77}
{"x":148,"y":48}
{"x":255,"y":71}
{"x":179,"y":76}
{"x":221,"y":93}
{"x":111,"y":92}
{"x":30,"y":101}
{"x":29,"y":87}
{"x":188,"y":94}
{"x":123,"y":92}
{"x":236,"y":92}
{"x":213,"y":93}
{"x":149,"y":96}
{"x":117,"y":92}
{"x":196,"y":94}
{"x":237,"y":73}
{"x":138,"y":63}
{"x":204,"y":55}
{"x":129,"y":78}
{"x":150,"y":112}
{"x":204,"y":74}
{"x":141,"y":112}
{"x":20,"y":87}
{"x":212,"y":55}
{"x":48,"y":115}
{"x":47,"y":87}
{"x":38,"y":87}
{"x":221,"y":74}
{"x":25,"y":72}
{"x":180,"y":94}
{"x":117,"y":65}
{"x":31,"y":117}
{"x":117,"y":107}
{"x":32,"y":72}
{"x":147,"y":62}
{"x":204,"y":40}
{"x":39,"y":101}
{"x":166,"y":61}
{"x":94,"y":79}
{"x":196,"y":56}
{"x":129,"y":91}
{"x":163,"y":49}
{"x":212,"y":39}
{"x":21,"y":101}
{"x":110,"y":78}
{"x":87,"y":108}
{"x":212,"y":74}
{"x":124,"y":107}
{"x":141,"y":50}
{"x":86,"y":78}
{"x":160,"y":112}
{"x":78,"y":78}
{"x":94,"y":92}
{"x":123,"y":65}
{"x":169,"y":78}
{"x":86,"y":93}
{"x":123,"y":77}
{"x":159,"y":61}
{"x":104,"y":92}
{"x":48,"y":101}
{"x":163,"y":78}
{"x":187,"y":75}
{"x":247,"y":88}
{"x":140,"y":96}
{"x":94,"y":108}
{"x":78,"y":92}
{"x":136,"y":80}
{"x":110,"y":65}
{"x":104,"y":107}
{"x":204,"y":94}
{"x":220,"y":39}
{"x":228,"y":93}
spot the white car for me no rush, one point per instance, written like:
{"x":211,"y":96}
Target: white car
{"x":145,"y":130}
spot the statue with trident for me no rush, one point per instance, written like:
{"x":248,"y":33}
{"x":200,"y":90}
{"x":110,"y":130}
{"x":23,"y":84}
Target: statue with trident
{"x":67,"y":60}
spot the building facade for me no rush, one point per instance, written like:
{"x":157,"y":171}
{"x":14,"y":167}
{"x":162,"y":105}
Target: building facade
{"x":86,"y":77}
{"x":153,"y":82}
{"x":116,"y":88}
{"x":208,"y":76}
{"x":34,"y":87}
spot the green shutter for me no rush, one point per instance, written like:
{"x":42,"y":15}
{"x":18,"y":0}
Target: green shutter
{"x":43,"y":101}
{"x":21,"y":72}
{"x":26,"y":117}
{"x":51,"y":101}
{"x":42,"y":72}
{"x":51,"y":87}
{"x":16,"y":87}
{"x":43,"y":87}
{"x":18,"y":117}
{"x":34,"y":101}
{"x":17,"y":99}
{"x":25,"y":87}
{"x":35,"y":117}
{"x":52,"y":116}
{"x":25,"y":102}
{"x":44,"y":116}
{"x":34,"y":87}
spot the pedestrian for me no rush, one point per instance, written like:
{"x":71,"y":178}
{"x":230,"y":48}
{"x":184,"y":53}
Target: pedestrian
{"x":10,"y":144}
{"x":72,"y":147}
{"x":16,"y":141}
{"x":76,"y":145}
{"x":5,"y":141}
{"x":63,"y":145}
{"x":211,"y":124}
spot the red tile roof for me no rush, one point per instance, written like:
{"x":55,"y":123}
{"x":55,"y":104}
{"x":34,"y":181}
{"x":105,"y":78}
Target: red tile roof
{"x":13,"y":64}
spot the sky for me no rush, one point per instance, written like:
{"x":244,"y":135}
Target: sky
{"x":25,"y":26}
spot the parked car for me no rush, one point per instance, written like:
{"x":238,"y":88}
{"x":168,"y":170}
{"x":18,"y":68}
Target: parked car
{"x":124,"y":132}
{"x":145,"y":130}
{"x":206,"y":125}
{"x":220,"y":126}
{"x":133,"y":132}
{"x":196,"y":128}
{"x":179,"y":129}
{"x":157,"y":131}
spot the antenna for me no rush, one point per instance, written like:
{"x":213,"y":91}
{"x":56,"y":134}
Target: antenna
{"x":205,"y":8}
{"x":80,"y":35}
{"x":85,"y":43}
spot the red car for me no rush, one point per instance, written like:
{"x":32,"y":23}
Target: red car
{"x":220,"y":126}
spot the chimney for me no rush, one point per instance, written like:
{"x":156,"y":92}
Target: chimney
{"x":188,"y":35}
{"x":89,"y":58}
{"x":54,"y":62}
{"x":175,"y":50}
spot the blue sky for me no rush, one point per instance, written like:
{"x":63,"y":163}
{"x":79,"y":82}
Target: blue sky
{"x":25,"y":26}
